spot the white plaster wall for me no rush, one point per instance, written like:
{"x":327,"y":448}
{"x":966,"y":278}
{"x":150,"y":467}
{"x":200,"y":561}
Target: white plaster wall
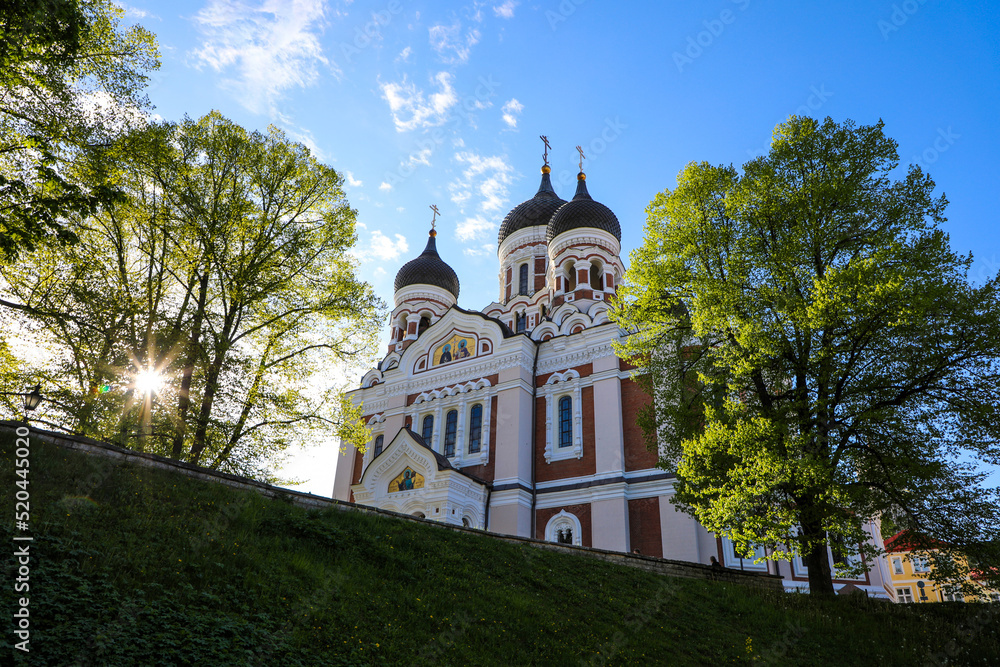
{"x":510,"y":513}
{"x":679,"y":532}
{"x":394,"y":416}
{"x":513,"y":443}
{"x":610,"y":444}
{"x":609,"y":524}
{"x":345,"y":467}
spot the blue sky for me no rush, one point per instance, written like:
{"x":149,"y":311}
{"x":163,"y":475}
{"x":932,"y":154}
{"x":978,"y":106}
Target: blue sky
{"x":422,"y":103}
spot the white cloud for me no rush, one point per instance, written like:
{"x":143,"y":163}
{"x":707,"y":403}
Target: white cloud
{"x":351,"y":181}
{"x":384,"y":249}
{"x":264,"y":50}
{"x":452,"y":47}
{"x":473,"y":228}
{"x":482,"y":251}
{"x":404,"y":55}
{"x":419,"y":157}
{"x":400,"y":209}
{"x":485,"y":179}
{"x":134,"y":12}
{"x":384,"y":186}
{"x":506,"y":10}
{"x":411,"y":109}
{"x":510,"y":111}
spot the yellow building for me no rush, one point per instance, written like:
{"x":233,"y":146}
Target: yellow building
{"x":910,"y":572}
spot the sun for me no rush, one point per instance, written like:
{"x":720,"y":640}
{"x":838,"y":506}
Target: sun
{"x":148,"y":382}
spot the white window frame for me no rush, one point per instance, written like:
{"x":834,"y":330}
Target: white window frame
{"x":952,"y":594}
{"x":567,"y":383}
{"x":731,"y":559}
{"x":438,"y":403}
{"x":904,"y":594}
{"x":920,"y":563}
{"x":897,"y":565}
{"x":561,"y":521}
{"x":482,"y":429}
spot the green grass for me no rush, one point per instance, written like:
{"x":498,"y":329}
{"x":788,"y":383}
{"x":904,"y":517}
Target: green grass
{"x":133,"y":566}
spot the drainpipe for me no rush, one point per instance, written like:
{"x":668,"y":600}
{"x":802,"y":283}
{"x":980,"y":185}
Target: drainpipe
{"x":534,"y":397}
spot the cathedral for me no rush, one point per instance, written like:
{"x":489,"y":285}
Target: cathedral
{"x":519,"y":418}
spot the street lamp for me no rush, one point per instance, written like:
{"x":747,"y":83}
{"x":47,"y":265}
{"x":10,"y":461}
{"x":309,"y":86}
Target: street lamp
{"x":32,"y":399}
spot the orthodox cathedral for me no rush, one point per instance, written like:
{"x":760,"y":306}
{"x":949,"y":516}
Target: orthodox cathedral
{"x":519,"y":418}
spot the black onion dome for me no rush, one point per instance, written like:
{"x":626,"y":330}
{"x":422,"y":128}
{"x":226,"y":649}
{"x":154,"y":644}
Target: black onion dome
{"x":532,"y":213}
{"x":581,"y":212}
{"x":428,"y":269}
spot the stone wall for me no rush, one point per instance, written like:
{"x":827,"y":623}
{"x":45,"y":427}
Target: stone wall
{"x":673,"y":568}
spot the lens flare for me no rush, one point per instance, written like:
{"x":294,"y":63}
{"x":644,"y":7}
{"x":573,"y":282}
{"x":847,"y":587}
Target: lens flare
{"x":148,"y":382}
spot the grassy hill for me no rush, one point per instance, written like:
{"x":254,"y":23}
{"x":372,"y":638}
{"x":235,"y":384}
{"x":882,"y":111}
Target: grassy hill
{"x":133,"y":566}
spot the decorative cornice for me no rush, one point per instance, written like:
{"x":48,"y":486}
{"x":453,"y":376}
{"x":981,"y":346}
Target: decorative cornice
{"x":593,"y":237}
{"x":434,"y":380}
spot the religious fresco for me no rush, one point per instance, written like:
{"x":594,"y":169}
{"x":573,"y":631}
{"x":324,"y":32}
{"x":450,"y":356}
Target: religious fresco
{"x":456,"y":348}
{"x":407,"y":480}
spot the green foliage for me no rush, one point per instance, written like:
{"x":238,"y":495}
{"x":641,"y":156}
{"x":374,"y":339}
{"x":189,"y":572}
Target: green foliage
{"x":817,"y":355}
{"x":70,"y":82}
{"x":225,"y":269}
{"x":143,"y":566}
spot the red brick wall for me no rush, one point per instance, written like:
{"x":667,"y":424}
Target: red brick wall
{"x":581,"y":512}
{"x":539,"y":273}
{"x":584,"y":371}
{"x":637,"y":457}
{"x":644,"y":526}
{"x":356,"y":474}
{"x":574,"y":467}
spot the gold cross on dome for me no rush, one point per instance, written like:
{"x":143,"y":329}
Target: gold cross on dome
{"x":436,"y":214}
{"x":545,"y":140}
{"x":580,"y":151}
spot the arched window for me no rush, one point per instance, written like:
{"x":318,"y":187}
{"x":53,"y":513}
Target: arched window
{"x":570,"y":279}
{"x":424,"y":323}
{"x":521,"y":322}
{"x":428,"y":429}
{"x":378,"y":445}
{"x":522,"y":280}
{"x":565,"y":421}
{"x":475,"y":428}
{"x":450,"y":430}
{"x":596,"y":279}
{"x":564,"y":528}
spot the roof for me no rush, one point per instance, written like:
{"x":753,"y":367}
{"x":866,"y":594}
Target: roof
{"x":442,"y":461}
{"x":534,"y":212}
{"x":583,"y":212}
{"x":428,"y":269}
{"x":906,"y":540}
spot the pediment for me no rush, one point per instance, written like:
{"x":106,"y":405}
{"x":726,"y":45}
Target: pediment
{"x":456,"y":338}
{"x":402,"y":453}
{"x":409,"y":477}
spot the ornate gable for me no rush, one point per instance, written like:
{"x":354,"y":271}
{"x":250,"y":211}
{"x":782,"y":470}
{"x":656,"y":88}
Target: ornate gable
{"x":410,"y":478}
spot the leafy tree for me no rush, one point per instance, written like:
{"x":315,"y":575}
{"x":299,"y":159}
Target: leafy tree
{"x":817,"y":355}
{"x":71,"y":80}
{"x":224,"y":271}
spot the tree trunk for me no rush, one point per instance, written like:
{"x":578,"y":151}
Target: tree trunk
{"x":817,"y":560}
{"x":184,"y":396}
{"x":207,"y":400}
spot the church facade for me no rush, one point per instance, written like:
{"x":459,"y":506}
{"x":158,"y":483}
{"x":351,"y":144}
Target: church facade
{"x":519,"y":418}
